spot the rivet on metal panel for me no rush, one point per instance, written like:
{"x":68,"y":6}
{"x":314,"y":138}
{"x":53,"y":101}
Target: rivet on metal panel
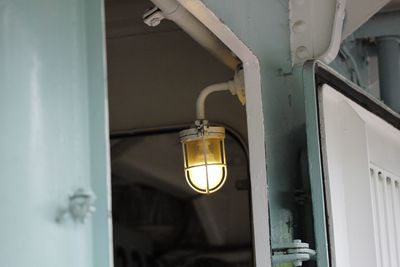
{"x":80,"y":207}
{"x":302,"y":52}
{"x":299,"y":26}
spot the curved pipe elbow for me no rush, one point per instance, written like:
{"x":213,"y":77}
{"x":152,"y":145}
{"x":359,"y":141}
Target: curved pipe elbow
{"x":201,"y":99}
{"x":334,"y":45}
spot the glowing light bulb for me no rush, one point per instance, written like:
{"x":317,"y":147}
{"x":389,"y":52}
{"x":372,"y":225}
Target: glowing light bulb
{"x":202,"y":177}
{"x":204,"y":158}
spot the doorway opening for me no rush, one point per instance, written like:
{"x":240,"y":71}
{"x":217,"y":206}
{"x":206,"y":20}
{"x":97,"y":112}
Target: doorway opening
{"x":154,"y":77}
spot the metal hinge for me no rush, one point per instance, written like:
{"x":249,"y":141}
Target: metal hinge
{"x":295,"y":253}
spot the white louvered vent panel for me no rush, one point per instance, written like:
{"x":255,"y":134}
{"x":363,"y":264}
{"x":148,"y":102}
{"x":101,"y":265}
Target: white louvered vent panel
{"x":385,"y":189}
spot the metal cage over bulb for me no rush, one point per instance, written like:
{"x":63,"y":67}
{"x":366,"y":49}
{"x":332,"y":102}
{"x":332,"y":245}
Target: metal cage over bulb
{"x":204,"y":157}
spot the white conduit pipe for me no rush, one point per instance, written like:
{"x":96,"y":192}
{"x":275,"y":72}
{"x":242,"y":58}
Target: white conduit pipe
{"x":201,"y":99}
{"x":186,"y":21}
{"x":336,"y":38}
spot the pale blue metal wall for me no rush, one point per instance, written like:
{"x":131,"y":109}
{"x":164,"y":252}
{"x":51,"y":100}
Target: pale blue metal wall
{"x":54,"y":137}
{"x":54,"y":133}
{"x":264,"y":27}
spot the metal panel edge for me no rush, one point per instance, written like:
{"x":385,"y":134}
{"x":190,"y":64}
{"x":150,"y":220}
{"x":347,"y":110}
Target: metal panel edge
{"x":315,"y":163}
{"x":99,"y":133}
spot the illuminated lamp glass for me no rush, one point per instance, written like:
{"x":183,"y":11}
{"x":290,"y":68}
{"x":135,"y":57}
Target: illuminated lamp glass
{"x":204,"y":158}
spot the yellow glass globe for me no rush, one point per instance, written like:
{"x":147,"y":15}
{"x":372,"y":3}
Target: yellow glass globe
{"x":204,"y":178}
{"x":204,"y":158}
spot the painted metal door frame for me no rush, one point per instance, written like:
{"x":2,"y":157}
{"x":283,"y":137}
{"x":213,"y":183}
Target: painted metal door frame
{"x":254,"y":111}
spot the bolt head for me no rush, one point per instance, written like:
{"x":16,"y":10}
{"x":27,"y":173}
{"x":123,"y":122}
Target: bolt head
{"x":302,"y":52}
{"x":299,"y":26}
{"x":154,"y":22}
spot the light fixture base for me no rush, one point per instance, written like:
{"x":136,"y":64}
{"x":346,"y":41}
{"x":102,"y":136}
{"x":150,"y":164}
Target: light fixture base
{"x":201,"y":129}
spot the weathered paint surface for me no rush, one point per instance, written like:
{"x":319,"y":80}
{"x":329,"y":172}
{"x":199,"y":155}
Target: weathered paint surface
{"x":54,"y":137}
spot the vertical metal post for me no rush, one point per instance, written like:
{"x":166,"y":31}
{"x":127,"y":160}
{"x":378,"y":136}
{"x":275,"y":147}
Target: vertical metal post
{"x":389,"y":71}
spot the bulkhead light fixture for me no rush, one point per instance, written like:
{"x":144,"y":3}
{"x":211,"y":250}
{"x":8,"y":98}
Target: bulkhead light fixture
{"x":204,"y":157}
{"x":203,"y":145}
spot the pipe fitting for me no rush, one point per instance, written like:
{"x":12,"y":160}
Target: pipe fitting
{"x":172,"y":10}
{"x":235,"y":86}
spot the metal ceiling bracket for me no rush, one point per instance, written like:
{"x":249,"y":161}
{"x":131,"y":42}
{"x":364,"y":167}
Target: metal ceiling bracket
{"x":295,"y":253}
{"x":153,"y":16}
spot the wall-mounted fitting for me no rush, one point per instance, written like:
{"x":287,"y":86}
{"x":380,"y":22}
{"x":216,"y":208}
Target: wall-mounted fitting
{"x":153,"y":17}
{"x":295,"y":253}
{"x":238,"y":86}
{"x":174,"y":11}
{"x":80,"y":207}
{"x":235,"y":86}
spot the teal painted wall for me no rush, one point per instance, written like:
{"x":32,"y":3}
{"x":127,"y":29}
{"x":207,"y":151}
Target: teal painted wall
{"x":264,"y":27}
{"x":54,"y":133}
